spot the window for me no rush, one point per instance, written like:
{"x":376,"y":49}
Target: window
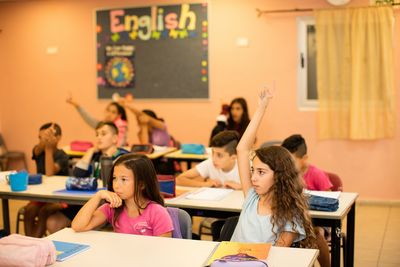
{"x":307,"y":94}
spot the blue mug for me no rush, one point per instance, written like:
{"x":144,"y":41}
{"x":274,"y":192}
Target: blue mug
{"x":18,"y":181}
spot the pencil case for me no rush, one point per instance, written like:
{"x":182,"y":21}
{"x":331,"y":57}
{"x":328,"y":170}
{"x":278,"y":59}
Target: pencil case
{"x":193,"y":149}
{"x":19,"y":250}
{"x":81,"y":184}
{"x":238,"y":260}
{"x":34,"y":179}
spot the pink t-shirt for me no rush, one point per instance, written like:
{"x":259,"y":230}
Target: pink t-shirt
{"x":316,"y":179}
{"x":153,"y":221}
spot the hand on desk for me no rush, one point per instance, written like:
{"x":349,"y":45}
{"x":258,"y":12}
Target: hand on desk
{"x":213,"y":183}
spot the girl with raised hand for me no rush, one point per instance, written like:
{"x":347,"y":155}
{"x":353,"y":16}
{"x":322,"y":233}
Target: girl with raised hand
{"x":275,"y":209}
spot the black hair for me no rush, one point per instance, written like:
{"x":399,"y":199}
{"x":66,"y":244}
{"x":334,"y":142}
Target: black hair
{"x":226,"y":139}
{"x":121,"y":110}
{"x":296,"y":145}
{"x":145,"y":180}
{"x":152,"y":114}
{"x":244,"y":120}
{"x":108,"y":123}
{"x":52,"y":124}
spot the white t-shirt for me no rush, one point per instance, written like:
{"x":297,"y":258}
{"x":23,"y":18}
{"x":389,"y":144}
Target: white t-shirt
{"x":207,"y":169}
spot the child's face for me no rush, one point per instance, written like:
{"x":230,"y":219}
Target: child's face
{"x":222,"y":160}
{"x":262,"y":177}
{"x":236,"y":112}
{"x":123,"y":183}
{"x":111,"y":113}
{"x":105,"y":138}
{"x":301,"y":162}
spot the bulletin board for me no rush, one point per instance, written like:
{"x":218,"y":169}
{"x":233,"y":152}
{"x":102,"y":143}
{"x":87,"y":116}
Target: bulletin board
{"x":153,"y":52}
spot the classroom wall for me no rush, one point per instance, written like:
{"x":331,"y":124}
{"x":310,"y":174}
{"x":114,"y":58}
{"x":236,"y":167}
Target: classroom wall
{"x":34,"y":84}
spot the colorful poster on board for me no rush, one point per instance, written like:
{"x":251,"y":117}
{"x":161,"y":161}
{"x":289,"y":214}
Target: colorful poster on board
{"x":153,"y":52}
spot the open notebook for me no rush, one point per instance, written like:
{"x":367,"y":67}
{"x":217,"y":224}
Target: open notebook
{"x":209,"y":194}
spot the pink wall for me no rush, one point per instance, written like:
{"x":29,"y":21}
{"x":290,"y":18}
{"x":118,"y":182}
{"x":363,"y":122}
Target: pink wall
{"x":34,"y":85}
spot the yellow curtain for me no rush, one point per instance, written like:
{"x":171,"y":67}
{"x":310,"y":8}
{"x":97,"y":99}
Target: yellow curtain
{"x":355,"y":73}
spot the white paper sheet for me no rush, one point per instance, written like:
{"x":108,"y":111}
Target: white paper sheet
{"x":331,"y":194}
{"x":209,"y":194}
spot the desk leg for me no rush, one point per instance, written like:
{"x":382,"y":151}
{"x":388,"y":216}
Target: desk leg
{"x":350,"y":236}
{"x":6,"y":216}
{"x":335,"y":243}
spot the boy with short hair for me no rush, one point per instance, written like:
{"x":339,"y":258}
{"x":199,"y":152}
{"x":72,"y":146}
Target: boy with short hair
{"x":89,"y":166}
{"x":49,"y":161}
{"x":315,"y":178}
{"x":221,"y":169}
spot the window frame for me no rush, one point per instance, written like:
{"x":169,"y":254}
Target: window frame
{"x":303,"y":103}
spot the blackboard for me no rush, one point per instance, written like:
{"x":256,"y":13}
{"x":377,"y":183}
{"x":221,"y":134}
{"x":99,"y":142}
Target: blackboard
{"x":153,"y":52}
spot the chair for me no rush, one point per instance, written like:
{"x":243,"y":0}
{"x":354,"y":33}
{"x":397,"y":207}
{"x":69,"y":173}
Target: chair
{"x":20,"y":218}
{"x":228,"y":228}
{"x":182,"y":223}
{"x":7,"y":157}
{"x":337,"y":185}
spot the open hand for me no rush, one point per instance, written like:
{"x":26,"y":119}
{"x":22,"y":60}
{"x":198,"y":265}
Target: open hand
{"x":265,"y":95}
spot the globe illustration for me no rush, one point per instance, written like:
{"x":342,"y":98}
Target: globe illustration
{"x":119,"y":71}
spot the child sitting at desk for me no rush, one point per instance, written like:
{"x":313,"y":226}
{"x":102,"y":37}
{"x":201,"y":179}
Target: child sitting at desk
{"x":87,"y":166}
{"x":315,"y":179}
{"x":134,"y":204}
{"x":221,"y":169}
{"x":49,"y":161}
{"x":152,"y":129}
{"x":275,"y":209}
{"x":114,"y":112}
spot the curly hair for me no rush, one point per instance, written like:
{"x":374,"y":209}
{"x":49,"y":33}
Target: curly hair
{"x":288,"y":203}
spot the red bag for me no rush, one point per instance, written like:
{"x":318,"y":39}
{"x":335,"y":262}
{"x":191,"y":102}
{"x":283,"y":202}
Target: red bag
{"x":80,"y":145}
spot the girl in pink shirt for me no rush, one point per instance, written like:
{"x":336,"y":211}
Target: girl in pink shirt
{"x":134,"y":204}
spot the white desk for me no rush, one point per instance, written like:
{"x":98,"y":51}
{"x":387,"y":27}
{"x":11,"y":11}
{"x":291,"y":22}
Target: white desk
{"x":112,"y":249}
{"x":229,"y":206}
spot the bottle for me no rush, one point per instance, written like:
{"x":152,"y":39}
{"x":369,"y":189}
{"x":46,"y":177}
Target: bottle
{"x":105,"y":169}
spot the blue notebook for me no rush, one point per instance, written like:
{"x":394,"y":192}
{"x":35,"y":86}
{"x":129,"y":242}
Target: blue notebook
{"x":67,"y":249}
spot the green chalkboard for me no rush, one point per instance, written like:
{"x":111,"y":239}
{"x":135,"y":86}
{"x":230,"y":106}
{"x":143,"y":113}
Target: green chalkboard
{"x":153,"y":52}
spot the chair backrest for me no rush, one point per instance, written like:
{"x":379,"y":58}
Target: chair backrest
{"x":185,"y":223}
{"x":336,"y":182}
{"x":182,"y":223}
{"x":228,"y":228}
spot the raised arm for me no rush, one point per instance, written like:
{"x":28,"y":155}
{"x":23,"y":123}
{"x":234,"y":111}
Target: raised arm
{"x":246,"y":142}
{"x":92,"y":122}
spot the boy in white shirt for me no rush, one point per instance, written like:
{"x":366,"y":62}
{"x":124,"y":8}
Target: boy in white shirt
{"x":221,"y":169}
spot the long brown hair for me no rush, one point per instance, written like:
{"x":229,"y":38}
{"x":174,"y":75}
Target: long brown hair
{"x":145,"y":181}
{"x":288,"y":203}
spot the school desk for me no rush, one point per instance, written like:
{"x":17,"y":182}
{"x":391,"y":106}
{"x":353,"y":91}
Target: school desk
{"x":229,"y":206}
{"x":112,"y":249}
{"x":154,"y":155}
{"x":188,"y":158}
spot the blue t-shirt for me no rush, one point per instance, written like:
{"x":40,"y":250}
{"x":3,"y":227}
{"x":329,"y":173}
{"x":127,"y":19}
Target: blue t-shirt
{"x":255,"y":228}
